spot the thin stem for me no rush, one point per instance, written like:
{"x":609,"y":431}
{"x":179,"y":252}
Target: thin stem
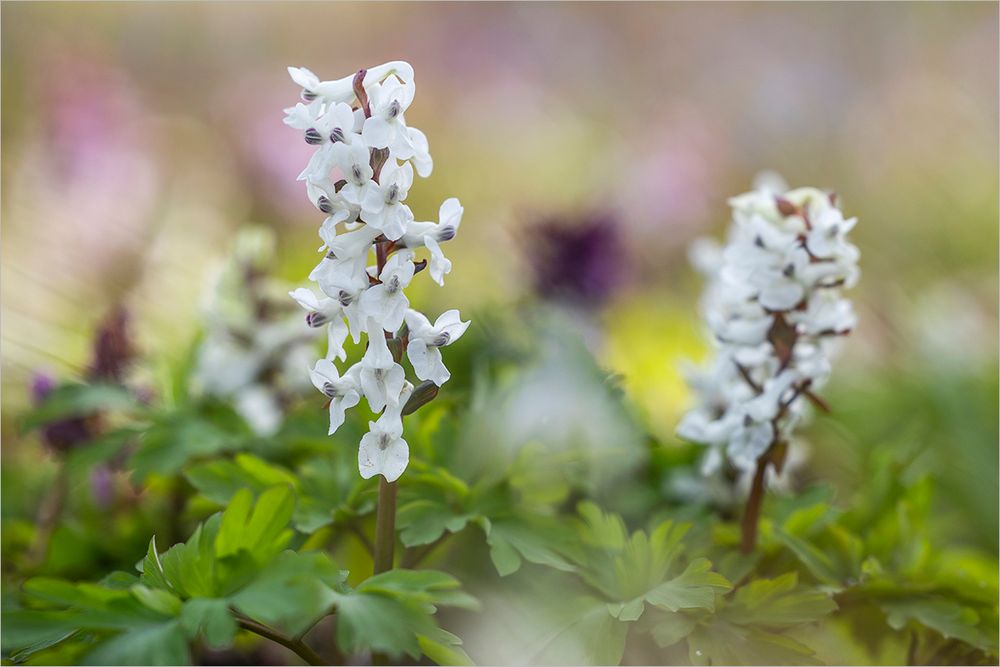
{"x":297,"y":646}
{"x":752,"y":512}
{"x":48,"y":515}
{"x":385,"y":525}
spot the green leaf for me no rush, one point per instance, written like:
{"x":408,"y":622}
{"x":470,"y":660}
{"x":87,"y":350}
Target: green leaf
{"x":695,"y":588}
{"x":376,"y":622}
{"x":78,"y":400}
{"x":423,"y":521}
{"x":219,"y":480}
{"x":818,"y":563}
{"x":947,"y":617}
{"x":211,"y":619}
{"x":261,"y":528}
{"x":161,"y":644}
{"x":669,"y":628}
{"x":776,"y":603}
{"x":157,"y":599}
{"x":234,"y":520}
{"x":152,"y":569}
{"x":722,"y":643}
{"x":192,"y":569}
{"x":420,"y":586}
{"x":31,"y":630}
{"x":535,"y":540}
{"x":291,"y":593}
{"x":444,"y":651}
{"x":587,"y":634}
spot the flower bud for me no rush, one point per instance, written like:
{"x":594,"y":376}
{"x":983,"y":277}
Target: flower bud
{"x":424,"y":393}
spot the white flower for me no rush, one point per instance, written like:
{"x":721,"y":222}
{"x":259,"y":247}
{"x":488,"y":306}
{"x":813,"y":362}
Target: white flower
{"x":343,"y":392}
{"x":425,"y":340}
{"x":354,"y":162}
{"x":324,"y":310}
{"x":386,"y":127}
{"x":342,"y":90}
{"x":359,"y":177}
{"x":383,"y":450}
{"x":422,"y":160}
{"x":773,"y":305}
{"x":386,"y":303}
{"x":432,"y":234}
{"x":382,"y":378}
{"x":382,"y":206}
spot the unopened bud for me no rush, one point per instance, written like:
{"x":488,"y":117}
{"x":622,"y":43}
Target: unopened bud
{"x":359,"y":91}
{"x":424,"y":393}
{"x":337,"y":135}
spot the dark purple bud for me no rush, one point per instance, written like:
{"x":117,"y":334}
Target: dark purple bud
{"x":424,"y":393}
{"x":337,"y":135}
{"x":324,"y":204}
{"x":446,"y":233}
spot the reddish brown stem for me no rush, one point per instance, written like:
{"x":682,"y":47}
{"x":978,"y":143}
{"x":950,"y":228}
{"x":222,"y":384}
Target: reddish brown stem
{"x":752,"y":513}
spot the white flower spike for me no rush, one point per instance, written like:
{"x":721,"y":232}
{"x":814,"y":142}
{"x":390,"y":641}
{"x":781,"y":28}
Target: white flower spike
{"x":359,"y":177}
{"x":774,"y":308}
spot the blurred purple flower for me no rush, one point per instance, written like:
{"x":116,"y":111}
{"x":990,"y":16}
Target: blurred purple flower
{"x":64,"y":434}
{"x":113,"y":350}
{"x":580,"y":262}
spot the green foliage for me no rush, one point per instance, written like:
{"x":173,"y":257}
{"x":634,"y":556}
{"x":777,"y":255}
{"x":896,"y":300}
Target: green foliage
{"x":234,"y":571}
{"x":69,"y":401}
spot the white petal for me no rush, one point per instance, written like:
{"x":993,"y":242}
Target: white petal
{"x":335,"y":336}
{"x":305,"y":298}
{"x":389,"y":462}
{"x":377,"y":132}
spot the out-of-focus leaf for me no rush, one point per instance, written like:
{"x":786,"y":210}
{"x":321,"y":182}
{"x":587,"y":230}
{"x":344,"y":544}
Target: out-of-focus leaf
{"x":778,"y":603}
{"x":161,"y":644}
{"x":947,"y":617}
{"x":695,"y":588}
{"x":722,"y":643}
{"x":424,"y":521}
{"x":444,"y":652}
{"x":78,"y":400}
{"x":535,"y":540}
{"x":210,"y":618}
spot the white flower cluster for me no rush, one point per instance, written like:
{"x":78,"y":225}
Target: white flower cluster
{"x":359,"y":177}
{"x":255,"y":343}
{"x":774,"y":307}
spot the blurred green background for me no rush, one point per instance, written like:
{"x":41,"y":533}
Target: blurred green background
{"x":138,"y":138}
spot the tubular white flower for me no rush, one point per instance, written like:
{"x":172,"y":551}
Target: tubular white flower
{"x":773,"y":306}
{"x":425,"y":339}
{"x":343,"y":392}
{"x":383,"y":450}
{"x":359,"y":177}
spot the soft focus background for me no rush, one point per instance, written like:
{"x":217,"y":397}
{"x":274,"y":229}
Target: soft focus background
{"x":139,"y":138}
